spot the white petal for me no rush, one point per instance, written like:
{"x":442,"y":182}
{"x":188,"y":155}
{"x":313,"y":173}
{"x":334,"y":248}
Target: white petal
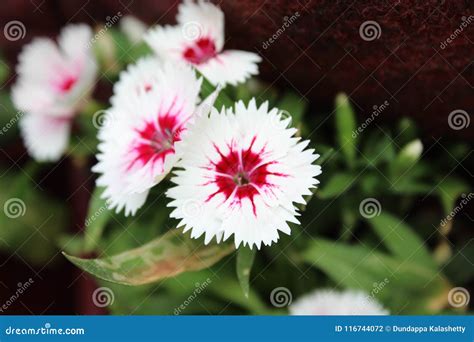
{"x":328,"y":302}
{"x":133,"y":28}
{"x":202,"y":19}
{"x":46,"y":138}
{"x":230,"y":67}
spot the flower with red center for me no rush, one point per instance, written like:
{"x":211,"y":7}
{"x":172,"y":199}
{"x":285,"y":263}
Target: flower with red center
{"x":198,"y":39}
{"x":326,"y":302}
{"x":137,"y":140}
{"x":241,"y":174}
{"x":54,"y":81}
{"x":138,"y":78}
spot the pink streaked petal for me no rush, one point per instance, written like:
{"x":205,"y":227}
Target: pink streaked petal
{"x":202,"y":19}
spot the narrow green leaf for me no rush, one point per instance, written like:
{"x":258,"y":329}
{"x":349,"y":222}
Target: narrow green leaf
{"x":337,"y":184}
{"x":384,"y":277}
{"x":230,"y":291}
{"x":406,"y":159}
{"x":401,"y":240}
{"x":245,"y":258}
{"x":164,"y":257}
{"x":378,"y":148}
{"x":97,"y":217}
{"x":346,"y":126}
{"x":449,"y":190}
{"x":294,"y":106}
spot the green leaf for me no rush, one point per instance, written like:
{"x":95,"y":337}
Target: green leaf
{"x":337,"y":184}
{"x":378,"y":148}
{"x":4,"y":70}
{"x":164,"y":257}
{"x":449,"y":190}
{"x":31,"y":220}
{"x":245,"y":258}
{"x":326,"y":153}
{"x":97,"y":217}
{"x":406,"y":159}
{"x":294,"y":105}
{"x":401,"y":240}
{"x":406,"y":284}
{"x":230,"y":290}
{"x":346,"y":126}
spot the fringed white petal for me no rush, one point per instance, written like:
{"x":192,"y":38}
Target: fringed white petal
{"x":230,"y":67}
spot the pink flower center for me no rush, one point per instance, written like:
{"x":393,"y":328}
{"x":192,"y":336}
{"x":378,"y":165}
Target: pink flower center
{"x":66,"y":84}
{"x":241,"y":173}
{"x":156,"y":140}
{"x":201,"y":51}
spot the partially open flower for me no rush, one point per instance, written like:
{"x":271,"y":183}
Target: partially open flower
{"x":153,"y":104}
{"x":328,"y":302}
{"x":242,"y":174}
{"x":198,"y":39}
{"x":54,"y":81}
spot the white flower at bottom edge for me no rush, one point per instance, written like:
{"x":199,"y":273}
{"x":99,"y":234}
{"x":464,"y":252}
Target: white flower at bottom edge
{"x":241,"y":174}
{"x":54,"y":81}
{"x":198,"y":39}
{"x":137,"y":140}
{"x":327,"y":302}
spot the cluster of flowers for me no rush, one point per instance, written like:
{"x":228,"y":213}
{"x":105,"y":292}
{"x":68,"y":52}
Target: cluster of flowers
{"x":237,"y":171}
{"x":241,"y":169}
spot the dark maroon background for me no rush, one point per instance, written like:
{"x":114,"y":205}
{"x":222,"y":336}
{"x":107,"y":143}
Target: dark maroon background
{"x":322,"y":52}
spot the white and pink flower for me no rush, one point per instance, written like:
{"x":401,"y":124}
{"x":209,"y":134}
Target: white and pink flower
{"x":327,"y":302}
{"x":54,"y":81}
{"x":241,"y":175}
{"x":198,"y":39}
{"x":152,"y":105}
